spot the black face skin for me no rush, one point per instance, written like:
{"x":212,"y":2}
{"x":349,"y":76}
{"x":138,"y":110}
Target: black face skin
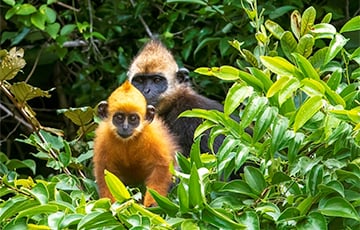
{"x":150,"y":85}
{"x":125,"y":123}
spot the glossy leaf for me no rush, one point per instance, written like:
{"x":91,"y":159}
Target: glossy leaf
{"x":263,"y":123}
{"x":252,"y":109}
{"x":236,"y":95}
{"x":307,"y":20}
{"x":116,"y":187}
{"x":278,"y":131}
{"x":195,"y":189}
{"x":37,"y":210}
{"x":261,"y":76}
{"x":255,"y":179}
{"x":295,"y":23}
{"x":274,"y":28}
{"x":250,"y":57}
{"x":79,"y":116}
{"x":24,"y":92}
{"x":219,"y":220}
{"x":314,"y":221}
{"x":335,"y":46}
{"x":278,"y":86}
{"x":352,"y":25}
{"x":338,"y":207}
{"x":307,"y":111}
{"x":164,"y":202}
{"x":305,"y":45}
{"x":288,"y":90}
{"x":288,"y":43}
{"x":314,"y":179}
{"x":11,"y":63}
{"x":305,"y":66}
{"x":240,"y":187}
{"x":280,"y":66}
{"x":312,"y":87}
{"x":323,"y":30}
{"x":251,"y":220}
{"x":334,"y":80}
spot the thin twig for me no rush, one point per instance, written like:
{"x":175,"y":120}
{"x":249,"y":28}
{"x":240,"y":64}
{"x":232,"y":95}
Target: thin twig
{"x":67,"y":6}
{"x":16,"y":117}
{"x":35,"y":65}
{"x":148,"y":31}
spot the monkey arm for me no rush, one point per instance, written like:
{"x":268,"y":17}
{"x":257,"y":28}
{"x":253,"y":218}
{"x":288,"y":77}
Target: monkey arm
{"x":160,"y":181}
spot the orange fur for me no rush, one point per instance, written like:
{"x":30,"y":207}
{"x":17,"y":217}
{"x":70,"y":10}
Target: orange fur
{"x":143,"y":158}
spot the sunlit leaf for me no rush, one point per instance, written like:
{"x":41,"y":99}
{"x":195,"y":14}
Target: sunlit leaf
{"x":219,"y":220}
{"x":307,"y":111}
{"x":312,"y":87}
{"x":338,"y":207}
{"x":314,"y":221}
{"x":352,"y":25}
{"x":307,"y":20}
{"x":116,"y":187}
{"x":314,"y":179}
{"x":236,"y":95}
{"x":280,"y":66}
{"x":335,"y":46}
{"x":263,"y":123}
{"x":305,"y":45}
{"x":288,"y":43}
{"x":295,"y":21}
{"x":79,"y":116}
{"x":274,"y":28}
{"x":24,"y":92}
{"x":11,"y":63}
{"x":323,"y":30}
{"x":255,"y":179}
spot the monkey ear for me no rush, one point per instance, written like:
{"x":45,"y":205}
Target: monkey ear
{"x":182,"y":75}
{"x":102,"y":110}
{"x":150,"y":113}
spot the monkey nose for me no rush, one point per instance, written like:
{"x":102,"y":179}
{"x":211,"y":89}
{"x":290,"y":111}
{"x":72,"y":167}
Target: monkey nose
{"x":147,"y":90}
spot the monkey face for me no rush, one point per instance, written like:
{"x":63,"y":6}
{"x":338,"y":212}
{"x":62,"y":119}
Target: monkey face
{"x":126,"y":123}
{"x":151,"y":86}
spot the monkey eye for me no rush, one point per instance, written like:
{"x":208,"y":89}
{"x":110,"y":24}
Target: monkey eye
{"x":157,"y":79}
{"x":133,"y":118}
{"x":119,"y":117}
{"x":138,"y":79}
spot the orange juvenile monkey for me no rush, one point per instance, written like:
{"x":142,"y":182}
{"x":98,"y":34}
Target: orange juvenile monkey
{"x":132,"y":143}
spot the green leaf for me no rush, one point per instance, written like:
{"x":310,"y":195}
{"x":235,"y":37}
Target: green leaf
{"x":41,"y":193}
{"x":11,"y":64}
{"x":338,"y":207}
{"x":334,"y":80}
{"x":219,"y":220}
{"x":188,"y":1}
{"x":295,"y":22}
{"x":255,"y":179}
{"x":288,"y":214}
{"x":250,"y":219}
{"x":14,"y":205}
{"x":67,"y":29}
{"x":261,"y":76}
{"x":251,"y":80}
{"x":38,"y":209}
{"x":305,"y":45}
{"x":307,"y":20}
{"x":183,"y":196}
{"x":195,"y":153}
{"x":314,"y":221}
{"x":323,"y":30}
{"x":250,"y":57}
{"x":305,"y":66}
{"x":10,"y":2}
{"x":263,"y":123}
{"x":312,"y":87}
{"x":53,"y":30}
{"x":79,"y":116}
{"x":24,"y":92}
{"x":314,"y":179}
{"x":235,"y":96}
{"x":17,"y":164}
{"x":280,"y":66}
{"x":196,"y":199}
{"x":274,"y":28}
{"x":97,"y":220}
{"x":351,"y":25}
{"x":50,"y":14}
{"x":116,"y":187}
{"x":38,"y":20}
{"x":307,"y":111}
{"x":327,"y":18}
{"x":288,"y":44}
{"x":224,"y":72}
{"x":278,"y":86}
{"x":239,"y":187}
{"x":26,"y":9}
{"x":335,"y":46}
{"x":169,"y":207}
{"x":252,"y":109}
{"x":288,"y":90}
{"x":279,"y":127}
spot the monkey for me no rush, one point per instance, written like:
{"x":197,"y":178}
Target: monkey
{"x":156,"y":74}
{"x":133,"y":143}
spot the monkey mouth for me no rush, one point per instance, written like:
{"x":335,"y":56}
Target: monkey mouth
{"x":124,"y":135}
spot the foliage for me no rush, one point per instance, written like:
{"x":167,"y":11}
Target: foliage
{"x":293,"y":161}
